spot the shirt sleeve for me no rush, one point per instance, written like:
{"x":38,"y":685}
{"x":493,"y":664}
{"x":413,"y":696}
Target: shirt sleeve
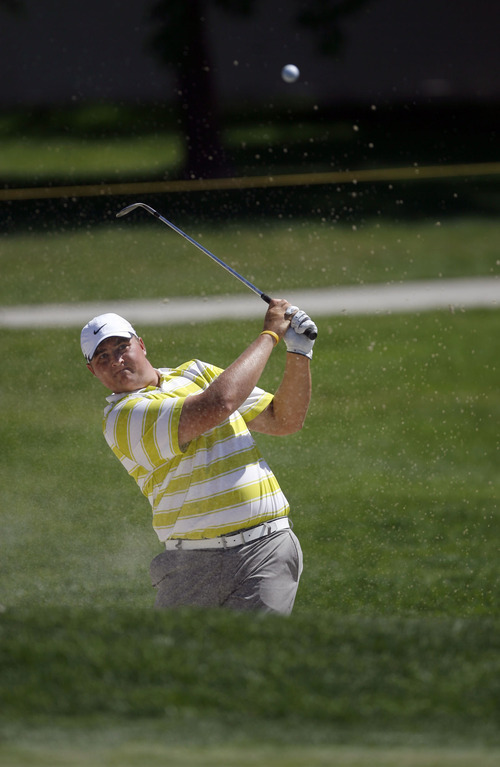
{"x":256,"y":403}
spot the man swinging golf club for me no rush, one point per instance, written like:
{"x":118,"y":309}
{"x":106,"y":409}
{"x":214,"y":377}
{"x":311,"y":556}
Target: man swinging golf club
{"x":183,"y":434}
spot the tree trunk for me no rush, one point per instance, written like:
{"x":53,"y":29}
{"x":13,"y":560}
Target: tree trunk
{"x":199,"y":113}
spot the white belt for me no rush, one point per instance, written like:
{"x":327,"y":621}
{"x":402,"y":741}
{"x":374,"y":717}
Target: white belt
{"x":230,"y":540}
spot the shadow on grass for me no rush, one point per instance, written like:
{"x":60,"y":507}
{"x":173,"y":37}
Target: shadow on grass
{"x":269,"y":143}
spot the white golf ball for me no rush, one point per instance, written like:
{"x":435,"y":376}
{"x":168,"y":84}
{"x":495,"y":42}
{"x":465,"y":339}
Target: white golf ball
{"x":290,"y":73}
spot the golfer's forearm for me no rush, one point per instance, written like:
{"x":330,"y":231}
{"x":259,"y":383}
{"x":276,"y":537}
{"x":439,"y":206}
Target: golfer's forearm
{"x":288,"y":409}
{"x":237,"y":382}
{"x":291,"y":401}
{"x":230,"y":389}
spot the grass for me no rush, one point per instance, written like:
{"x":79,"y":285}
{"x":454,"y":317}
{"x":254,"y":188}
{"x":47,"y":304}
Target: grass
{"x":394,"y":640}
{"x":277,"y":255}
{"x":122,"y":748}
{"x":156,"y":664}
{"x":106,"y":686}
{"x":39,"y":159}
{"x":280,"y":137}
{"x":399,"y":513}
{"x":391,"y":655}
{"x":214,"y":680}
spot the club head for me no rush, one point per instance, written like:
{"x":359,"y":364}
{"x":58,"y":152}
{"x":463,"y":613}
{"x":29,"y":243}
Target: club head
{"x":129,"y":208}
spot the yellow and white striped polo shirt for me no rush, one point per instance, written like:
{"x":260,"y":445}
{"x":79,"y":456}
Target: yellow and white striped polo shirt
{"x":219,"y":484}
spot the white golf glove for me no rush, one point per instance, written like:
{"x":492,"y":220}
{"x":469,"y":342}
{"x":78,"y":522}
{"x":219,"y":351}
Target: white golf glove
{"x":295,"y":339}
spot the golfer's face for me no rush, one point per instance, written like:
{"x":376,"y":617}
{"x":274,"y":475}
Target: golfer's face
{"x":120,"y":364}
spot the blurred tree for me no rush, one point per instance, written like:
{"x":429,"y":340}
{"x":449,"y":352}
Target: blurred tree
{"x":180,"y":41}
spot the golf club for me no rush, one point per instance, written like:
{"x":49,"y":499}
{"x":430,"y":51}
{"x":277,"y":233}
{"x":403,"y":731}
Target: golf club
{"x":311,"y":334}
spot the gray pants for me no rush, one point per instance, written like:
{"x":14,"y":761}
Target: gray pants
{"x":261,"y":575}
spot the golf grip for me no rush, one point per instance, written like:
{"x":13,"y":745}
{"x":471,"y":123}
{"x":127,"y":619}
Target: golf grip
{"x":309,"y":333}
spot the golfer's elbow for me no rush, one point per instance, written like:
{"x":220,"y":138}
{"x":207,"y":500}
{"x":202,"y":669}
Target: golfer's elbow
{"x":223,"y":404}
{"x":296,"y":426}
{"x":289,"y":424}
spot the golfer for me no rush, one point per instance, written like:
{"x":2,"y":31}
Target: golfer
{"x":183,"y":434}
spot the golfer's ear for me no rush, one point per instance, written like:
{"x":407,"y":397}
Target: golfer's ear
{"x":89,"y":367}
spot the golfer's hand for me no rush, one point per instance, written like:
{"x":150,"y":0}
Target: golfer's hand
{"x":295,"y":339}
{"x":278,"y":316}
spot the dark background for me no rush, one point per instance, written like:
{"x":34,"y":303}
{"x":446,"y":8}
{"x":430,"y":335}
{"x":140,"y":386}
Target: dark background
{"x":394,"y":51}
{"x":410,"y":83}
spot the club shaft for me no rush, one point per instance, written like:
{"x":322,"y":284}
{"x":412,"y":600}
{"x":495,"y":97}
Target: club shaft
{"x":214,"y":258}
{"x":217,"y":260}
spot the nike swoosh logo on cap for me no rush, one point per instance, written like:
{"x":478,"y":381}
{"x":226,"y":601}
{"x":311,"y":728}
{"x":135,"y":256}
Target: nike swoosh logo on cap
{"x":98,"y":329}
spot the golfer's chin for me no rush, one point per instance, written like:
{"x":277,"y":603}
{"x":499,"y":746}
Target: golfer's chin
{"x":126,"y":380}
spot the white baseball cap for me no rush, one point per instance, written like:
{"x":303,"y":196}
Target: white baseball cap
{"x":101,"y":327}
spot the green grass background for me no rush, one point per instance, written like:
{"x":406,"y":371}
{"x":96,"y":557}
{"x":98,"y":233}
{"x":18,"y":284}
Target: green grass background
{"x":135,"y":257}
{"x":392,"y":654}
